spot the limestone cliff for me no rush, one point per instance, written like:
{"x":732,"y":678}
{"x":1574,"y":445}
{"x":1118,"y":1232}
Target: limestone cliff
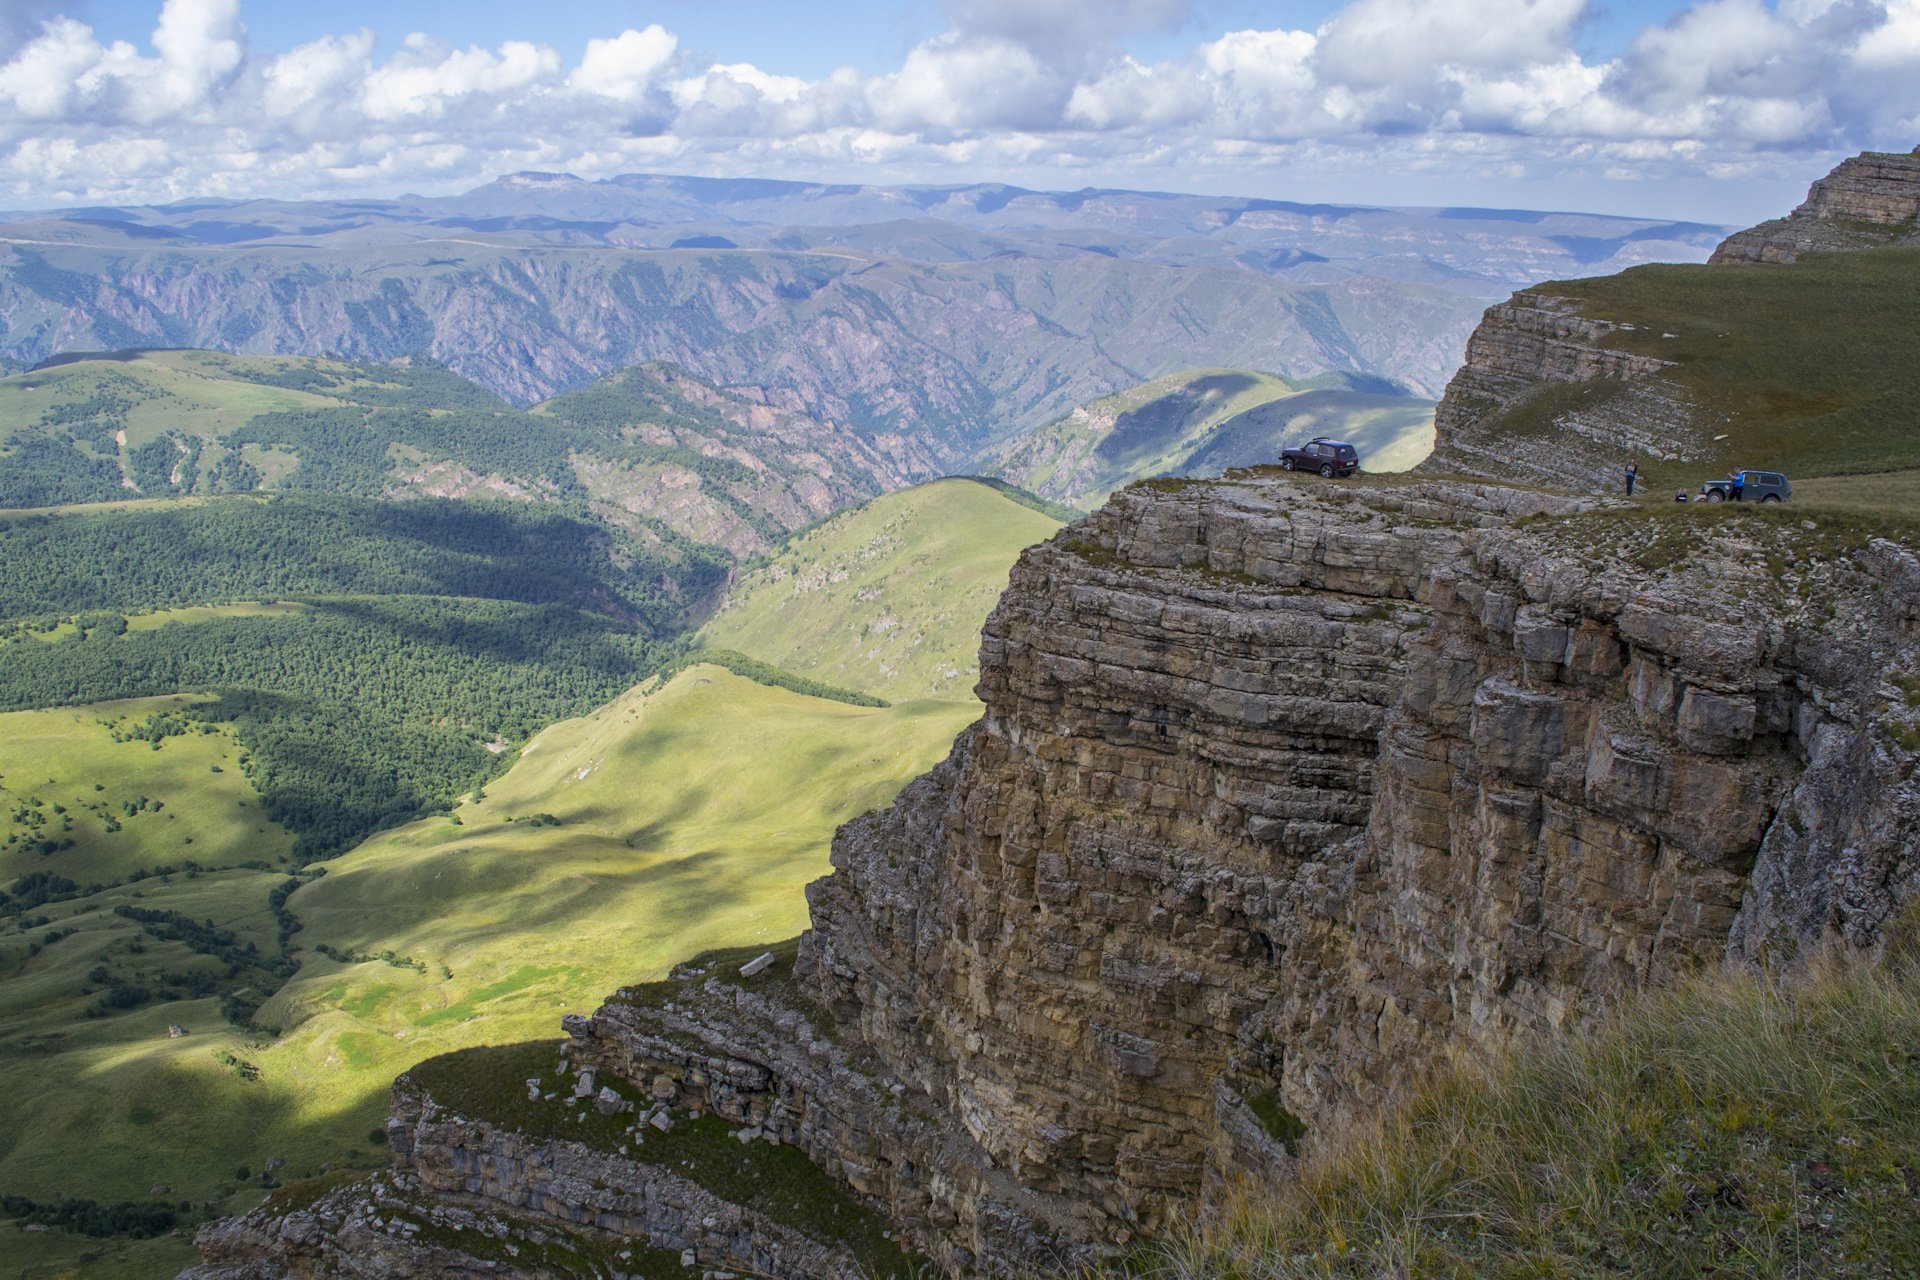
{"x":1284,"y":789}
{"x":1869,"y":200}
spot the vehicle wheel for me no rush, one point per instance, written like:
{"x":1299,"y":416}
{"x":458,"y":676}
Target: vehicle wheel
{"x":1286,"y":464}
{"x":1771,"y":497}
{"x":1716,"y":495}
{"x":1326,"y":471}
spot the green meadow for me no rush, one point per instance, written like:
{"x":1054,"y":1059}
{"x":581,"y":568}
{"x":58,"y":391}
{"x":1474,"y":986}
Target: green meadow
{"x":1737,"y":334}
{"x":124,"y":803}
{"x":684,"y":815}
{"x":886,"y":599}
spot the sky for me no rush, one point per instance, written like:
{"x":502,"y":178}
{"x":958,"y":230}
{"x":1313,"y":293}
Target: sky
{"x":1719,"y":110}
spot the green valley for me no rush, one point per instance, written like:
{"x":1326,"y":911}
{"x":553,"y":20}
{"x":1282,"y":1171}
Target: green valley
{"x":669,"y":815}
{"x":887,"y":599}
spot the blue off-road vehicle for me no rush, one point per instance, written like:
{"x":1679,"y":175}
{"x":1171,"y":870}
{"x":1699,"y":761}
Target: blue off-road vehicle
{"x":1329,"y":457}
{"x":1747,"y":486}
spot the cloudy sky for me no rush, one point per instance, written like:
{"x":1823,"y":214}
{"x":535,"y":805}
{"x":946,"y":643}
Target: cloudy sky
{"x":1721,"y":110}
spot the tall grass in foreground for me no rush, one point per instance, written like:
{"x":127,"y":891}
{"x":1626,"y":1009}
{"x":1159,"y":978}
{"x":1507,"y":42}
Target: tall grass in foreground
{"x":1743,"y":1126}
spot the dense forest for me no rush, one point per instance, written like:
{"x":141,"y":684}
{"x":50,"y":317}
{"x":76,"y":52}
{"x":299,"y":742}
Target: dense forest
{"x":430,"y":630}
{"x":431,"y":634}
{"x":292,"y":545}
{"x":357,"y":714}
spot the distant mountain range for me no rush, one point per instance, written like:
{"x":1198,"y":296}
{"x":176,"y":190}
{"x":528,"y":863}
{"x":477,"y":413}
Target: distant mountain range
{"x":933,"y":320}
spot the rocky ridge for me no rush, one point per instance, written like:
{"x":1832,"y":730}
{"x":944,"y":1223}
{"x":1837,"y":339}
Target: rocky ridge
{"x":1549,"y":393}
{"x":1283,"y":791}
{"x":1869,"y":200}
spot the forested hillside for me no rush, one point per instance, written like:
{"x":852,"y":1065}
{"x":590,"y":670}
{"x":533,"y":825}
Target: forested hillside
{"x":672,"y":463}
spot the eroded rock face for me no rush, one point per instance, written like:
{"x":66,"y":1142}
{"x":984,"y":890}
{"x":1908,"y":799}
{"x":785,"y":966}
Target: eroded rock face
{"x":1285,"y":790}
{"x":1535,"y":341}
{"x":1870,"y":199}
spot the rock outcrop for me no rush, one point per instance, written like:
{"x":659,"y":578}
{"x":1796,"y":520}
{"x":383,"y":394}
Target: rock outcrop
{"x":1561,"y":388}
{"x":1596,"y":404}
{"x":1279,"y":797}
{"x":1870,"y":200}
{"x":1284,"y":791}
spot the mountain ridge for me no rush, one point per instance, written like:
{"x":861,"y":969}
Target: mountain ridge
{"x":823,"y":302}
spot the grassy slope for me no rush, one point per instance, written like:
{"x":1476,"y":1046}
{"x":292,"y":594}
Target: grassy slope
{"x":1199,"y":423}
{"x":1812,"y":368}
{"x":688,"y":816}
{"x":887,"y":599}
{"x":168,"y":391}
{"x":1739,"y":1127}
{"x":211,"y":814}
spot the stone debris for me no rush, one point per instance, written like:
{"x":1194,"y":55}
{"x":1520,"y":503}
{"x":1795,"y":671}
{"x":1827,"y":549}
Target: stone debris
{"x":757,"y":966}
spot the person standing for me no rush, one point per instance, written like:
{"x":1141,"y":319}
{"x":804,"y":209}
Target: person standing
{"x":1633,"y":473}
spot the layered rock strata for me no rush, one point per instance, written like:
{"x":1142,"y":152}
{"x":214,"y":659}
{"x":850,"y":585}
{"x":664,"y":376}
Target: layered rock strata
{"x":1548,"y":395}
{"x":1607,"y":405}
{"x":1281,"y":794}
{"x":1284,"y":791}
{"x":1870,"y":200}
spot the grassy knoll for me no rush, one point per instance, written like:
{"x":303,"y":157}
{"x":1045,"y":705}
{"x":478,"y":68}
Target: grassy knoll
{"x":1743,"y":1126}
{"x":147,"y":392}
{"x":1202,"y":422}
{"x":125,"y":803}
{"x":672,"y":820}
{"x":59,"y":1255}
{"x":886,"y":599}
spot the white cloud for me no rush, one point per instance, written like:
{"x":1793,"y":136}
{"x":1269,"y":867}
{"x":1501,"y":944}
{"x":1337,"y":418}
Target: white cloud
{"x":969,"y":82}
{"x":1896,"y":41}
{"x":1377,"y":43}
{"x":316,"y":74}
{"x":1478,"y":88}
{"x":625,"y":67}
{"x":428,"y":79}
{"x":56,"y":73}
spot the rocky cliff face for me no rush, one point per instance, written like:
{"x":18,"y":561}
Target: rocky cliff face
{"x":1284,"y":789}
{"x":1278,"y":797}
{"x":1871,"y":199}
{"x":1605,"y":404}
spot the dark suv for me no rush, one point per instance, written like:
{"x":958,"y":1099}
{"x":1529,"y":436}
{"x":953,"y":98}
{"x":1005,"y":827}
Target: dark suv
{"x":1328,"y":457}
{"x":1750,"y":486}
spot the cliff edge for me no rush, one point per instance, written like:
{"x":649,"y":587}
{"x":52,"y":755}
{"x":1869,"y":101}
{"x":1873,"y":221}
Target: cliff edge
{"x":1794,"y":339}
{"x":1285,"y":791}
